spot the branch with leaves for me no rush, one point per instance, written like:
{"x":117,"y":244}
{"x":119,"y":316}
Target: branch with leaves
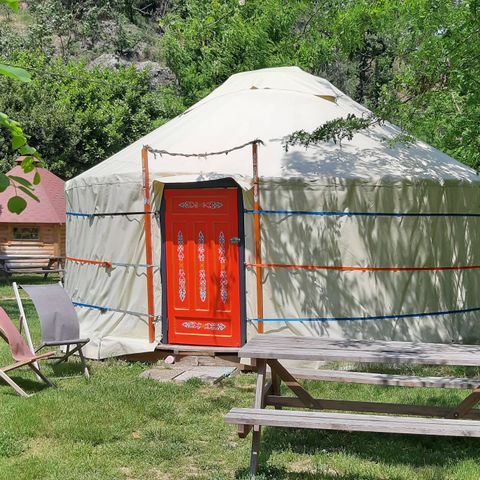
{"x":334,"y":130}
{"x":17,"y":204}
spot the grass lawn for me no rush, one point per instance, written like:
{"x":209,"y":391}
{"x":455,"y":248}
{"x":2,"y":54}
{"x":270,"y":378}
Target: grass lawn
{"x":119,"y":426}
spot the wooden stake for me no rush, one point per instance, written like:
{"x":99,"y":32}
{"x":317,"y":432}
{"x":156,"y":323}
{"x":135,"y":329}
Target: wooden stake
{"x":148,"y":245}
{"x":257,"y":234}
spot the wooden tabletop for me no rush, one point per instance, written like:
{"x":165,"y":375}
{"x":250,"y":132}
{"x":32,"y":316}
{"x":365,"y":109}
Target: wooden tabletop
{"x":30,"y":257}
{"x":359,"y":351}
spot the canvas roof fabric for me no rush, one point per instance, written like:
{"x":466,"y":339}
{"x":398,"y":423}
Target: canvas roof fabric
{"x":51,"y":205}
{"x":365,"y":174}
{"x":268,"y":105}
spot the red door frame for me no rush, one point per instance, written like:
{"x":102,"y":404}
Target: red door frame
{"x":223,"y":183}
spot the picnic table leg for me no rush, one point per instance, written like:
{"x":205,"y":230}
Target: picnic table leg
{"x":293,"y":385}
{"x":49,"y":266}
{"x":259,"y":403}
{"x":3,"y":267}
{"x":466,"y":405}
{"x":276,"y":384}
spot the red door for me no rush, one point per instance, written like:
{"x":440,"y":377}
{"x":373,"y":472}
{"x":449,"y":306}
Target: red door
{"x":202,"y":266}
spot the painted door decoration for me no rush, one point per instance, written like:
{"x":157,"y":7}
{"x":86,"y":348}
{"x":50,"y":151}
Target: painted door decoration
{"x":202,"y":266}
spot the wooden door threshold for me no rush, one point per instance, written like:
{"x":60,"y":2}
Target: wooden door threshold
{"x":178,"y":351}
{"x":196,"y":348}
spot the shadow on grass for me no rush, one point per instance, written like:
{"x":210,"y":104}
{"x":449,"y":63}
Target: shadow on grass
{"x":30,"y":386}
{"x":67,"y":369}
{"x":380,"y":448}
{"x":54,"y":372}
{"x":274,"y":473}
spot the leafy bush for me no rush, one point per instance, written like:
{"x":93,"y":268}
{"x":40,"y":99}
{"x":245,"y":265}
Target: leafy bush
{"x":78,"y":117}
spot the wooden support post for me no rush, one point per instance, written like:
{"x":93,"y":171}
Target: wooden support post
{"x":466,"y":405}
{"x":259,"y":403}
{"x":148,"y":245}
{"x":257,"y":234}
{"x":292,"y":384}
{"x":276,"y":386}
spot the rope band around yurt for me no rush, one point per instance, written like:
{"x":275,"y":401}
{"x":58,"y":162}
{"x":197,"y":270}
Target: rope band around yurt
{"x":358,"y":214}
{"x":104,"y":309}
{"x":367,"y":317}
{"x":107,"y":214}
{"x":110,"y":264}
{"x":295,"y":212}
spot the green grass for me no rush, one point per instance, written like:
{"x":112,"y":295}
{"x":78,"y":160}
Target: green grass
{"x":119,"y":426}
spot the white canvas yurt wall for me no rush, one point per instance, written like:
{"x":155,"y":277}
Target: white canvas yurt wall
{"x":364,"y":176}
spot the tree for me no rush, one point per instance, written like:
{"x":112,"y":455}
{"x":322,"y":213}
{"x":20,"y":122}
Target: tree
{"x":207,"y":41}
{"x":415,"y":63}
{"x":418,"y":65}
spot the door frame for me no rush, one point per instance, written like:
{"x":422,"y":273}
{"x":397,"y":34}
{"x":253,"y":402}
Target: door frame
{"x":221,"y":183}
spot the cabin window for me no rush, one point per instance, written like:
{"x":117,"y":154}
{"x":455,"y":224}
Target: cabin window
{"x":26,"y":233}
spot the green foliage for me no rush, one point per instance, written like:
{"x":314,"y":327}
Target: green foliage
{"x":415,"y":63}
{"x":206,"y":41}
{"x":436,"y":85}
{"x":14,"y":72}
{"x":78,"y":117}
{"x":16,"y":204}
{"x":13,"y":4}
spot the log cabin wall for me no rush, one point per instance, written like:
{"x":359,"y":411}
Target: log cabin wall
{"x":50,"y":241}
{"x":63,"y":240}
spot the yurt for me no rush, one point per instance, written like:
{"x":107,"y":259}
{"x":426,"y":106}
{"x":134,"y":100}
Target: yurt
{"x":208,"y":231}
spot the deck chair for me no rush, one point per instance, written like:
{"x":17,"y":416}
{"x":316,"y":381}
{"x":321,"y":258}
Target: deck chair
{"x":21,"y":353}
{"x":58,"y":320}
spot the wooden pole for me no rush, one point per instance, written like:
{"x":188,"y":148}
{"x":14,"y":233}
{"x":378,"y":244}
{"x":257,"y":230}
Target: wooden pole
{"x":257,"y":236}
{"x":148,"y":245}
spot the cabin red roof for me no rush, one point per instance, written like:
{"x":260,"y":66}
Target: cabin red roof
{"x":50,"y":191}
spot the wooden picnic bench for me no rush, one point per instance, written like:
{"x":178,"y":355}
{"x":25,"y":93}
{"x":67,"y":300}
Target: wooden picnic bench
{"x":43,"y":264}
{"x":266,"y":351}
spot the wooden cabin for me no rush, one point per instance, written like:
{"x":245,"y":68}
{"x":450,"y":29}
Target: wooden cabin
{"x":39,"y":231}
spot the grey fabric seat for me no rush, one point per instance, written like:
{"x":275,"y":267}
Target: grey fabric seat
{"x":58,"y":320}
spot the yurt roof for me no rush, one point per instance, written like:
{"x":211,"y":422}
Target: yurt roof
{"x":268,"y":105}
{"x":51,"y":205}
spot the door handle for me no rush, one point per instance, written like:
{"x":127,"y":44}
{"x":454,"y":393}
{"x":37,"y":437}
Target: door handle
{"x":235,"y":240}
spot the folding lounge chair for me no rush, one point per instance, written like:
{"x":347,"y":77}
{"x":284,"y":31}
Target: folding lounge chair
{"x":58,"y":320}
{"x":21,"y":353}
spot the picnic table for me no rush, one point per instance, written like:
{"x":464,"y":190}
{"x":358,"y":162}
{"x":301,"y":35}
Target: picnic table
{"x":43,"y":264}
{"x":268,"y":350}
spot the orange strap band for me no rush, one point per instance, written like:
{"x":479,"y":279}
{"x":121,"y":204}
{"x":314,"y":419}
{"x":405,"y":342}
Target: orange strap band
{"x":103,"y":263}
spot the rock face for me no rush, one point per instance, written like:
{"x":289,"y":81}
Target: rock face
{"x":159,"y":74}
{"x":108,"y":60}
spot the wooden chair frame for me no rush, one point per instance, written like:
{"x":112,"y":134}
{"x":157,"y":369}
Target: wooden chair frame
{"x":30,"y":363}
{"x":60,"y":358}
